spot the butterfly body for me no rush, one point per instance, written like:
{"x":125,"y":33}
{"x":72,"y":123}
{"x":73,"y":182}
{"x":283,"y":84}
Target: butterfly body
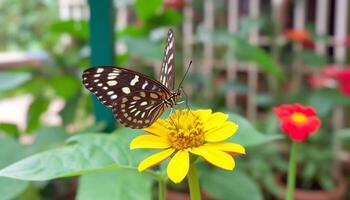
{"x":136,"y":100}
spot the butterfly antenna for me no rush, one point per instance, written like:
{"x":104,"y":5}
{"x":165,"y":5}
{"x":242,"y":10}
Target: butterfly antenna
{"x":188,"y":68}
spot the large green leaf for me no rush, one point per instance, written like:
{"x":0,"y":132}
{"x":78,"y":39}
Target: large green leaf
{"x":223,"y":185}
{"x":48,"y":138}
{"x":10,"y":80}
{"x":10,"y":152}
{"x":247,"y":135}
{"x":83,"y":154}
{"x":128,"y":185}
{"x":147,"y":9}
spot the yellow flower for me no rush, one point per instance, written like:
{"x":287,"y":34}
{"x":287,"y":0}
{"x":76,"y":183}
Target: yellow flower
{"x":199,"y":132}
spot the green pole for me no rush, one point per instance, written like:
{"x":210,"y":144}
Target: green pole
{"x":102,"y":49}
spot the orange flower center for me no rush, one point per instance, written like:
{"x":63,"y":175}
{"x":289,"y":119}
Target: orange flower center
{"x":186,"y":130}
{"x":299,"y":118}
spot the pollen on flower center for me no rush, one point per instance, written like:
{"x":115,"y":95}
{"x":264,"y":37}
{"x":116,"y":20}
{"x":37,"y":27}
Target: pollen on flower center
{"x":299,"y":118}
{"x":185,"y":130}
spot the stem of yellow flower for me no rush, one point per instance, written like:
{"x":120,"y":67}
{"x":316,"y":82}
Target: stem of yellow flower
{"x":161,"y":187}
{"x":292,"y":171}
{"x":193,"y":182}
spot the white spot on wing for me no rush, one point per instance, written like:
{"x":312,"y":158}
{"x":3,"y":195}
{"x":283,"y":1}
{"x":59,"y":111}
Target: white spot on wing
{"x":143,"y":103}
{"x":133,"y":110}
{"x":134,"y":80}
{"x":112,"y":83}
{"x":114,"y":97}
{"x":126,"y":90}
{"x":144,"y":85}
{"x":110,"y":92}
{"x":111,"y":77}
{"x":100,"y":70}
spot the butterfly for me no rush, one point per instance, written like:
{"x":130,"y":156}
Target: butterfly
{"x":136,"y":100}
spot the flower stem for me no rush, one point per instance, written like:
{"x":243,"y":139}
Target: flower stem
{"x":292,"y":171}
{"x":161,"y":187}
{"x":193,"y":183}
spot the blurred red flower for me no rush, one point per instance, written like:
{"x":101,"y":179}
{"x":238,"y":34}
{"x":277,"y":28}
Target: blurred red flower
{"x":301,"y":36}
{"x":326,"y":78}
{"x":332,"y":76}
{"x":175,"y":4}
{"x":297,"y":121}
{"x":343,"y":78}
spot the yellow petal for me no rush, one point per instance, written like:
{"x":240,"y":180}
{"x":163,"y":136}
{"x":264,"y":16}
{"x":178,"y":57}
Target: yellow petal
{"x":215,"y":157}
{"x":155,"y":159}
{"x":149,"y":142}
{"x":204,"y":114}
{"x":178,"y":166}
{"x":159,"y":128}
{"x":215,"y":120}
{"x":229,"y":147}
{"x":221,"y":133}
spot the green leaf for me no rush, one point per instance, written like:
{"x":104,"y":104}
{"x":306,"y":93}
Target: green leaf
{"x":247,"y":135}
{"x":10,"y":80}
{"x":143,"y":47}
{"x":68,"y":113}
{"x":146,"y":9}
{"x":223,"y":185}
{"x":85,"y":153}
{"x":36,"y":108}
{"x":247,"y":52}
{"x":10,"y":152}
{"x":324,"y":100}
{"x":128,"y":185}
{"x":75,"y":28}
{"x":311,"y":58}
{"x":9,"y":129}
{"x":343,"y":134}
{"x":65,"y":86}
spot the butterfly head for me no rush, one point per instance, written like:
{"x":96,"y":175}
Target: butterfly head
{"x":175,"y":95}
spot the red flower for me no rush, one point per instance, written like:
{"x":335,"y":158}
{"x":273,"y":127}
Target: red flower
{"x":298,"y":121}
{"x":301,"y":36}
{"x":343,"y":78}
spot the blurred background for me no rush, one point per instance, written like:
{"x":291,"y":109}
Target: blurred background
{"x":248,"y":56}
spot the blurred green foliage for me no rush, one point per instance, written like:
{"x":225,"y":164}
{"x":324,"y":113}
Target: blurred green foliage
{"x":85,"y":154}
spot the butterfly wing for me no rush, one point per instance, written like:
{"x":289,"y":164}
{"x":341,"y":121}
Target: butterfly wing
{"x":139,"y":109}
{"x":108,"y":83}
{"x":167,"y":72}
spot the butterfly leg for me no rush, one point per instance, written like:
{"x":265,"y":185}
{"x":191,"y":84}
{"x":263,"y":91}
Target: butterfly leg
{"x":186,"y":101}
{"x":171,"y":111}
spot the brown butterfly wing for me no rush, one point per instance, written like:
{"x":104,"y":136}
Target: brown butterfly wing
{"x":139,"y":109}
